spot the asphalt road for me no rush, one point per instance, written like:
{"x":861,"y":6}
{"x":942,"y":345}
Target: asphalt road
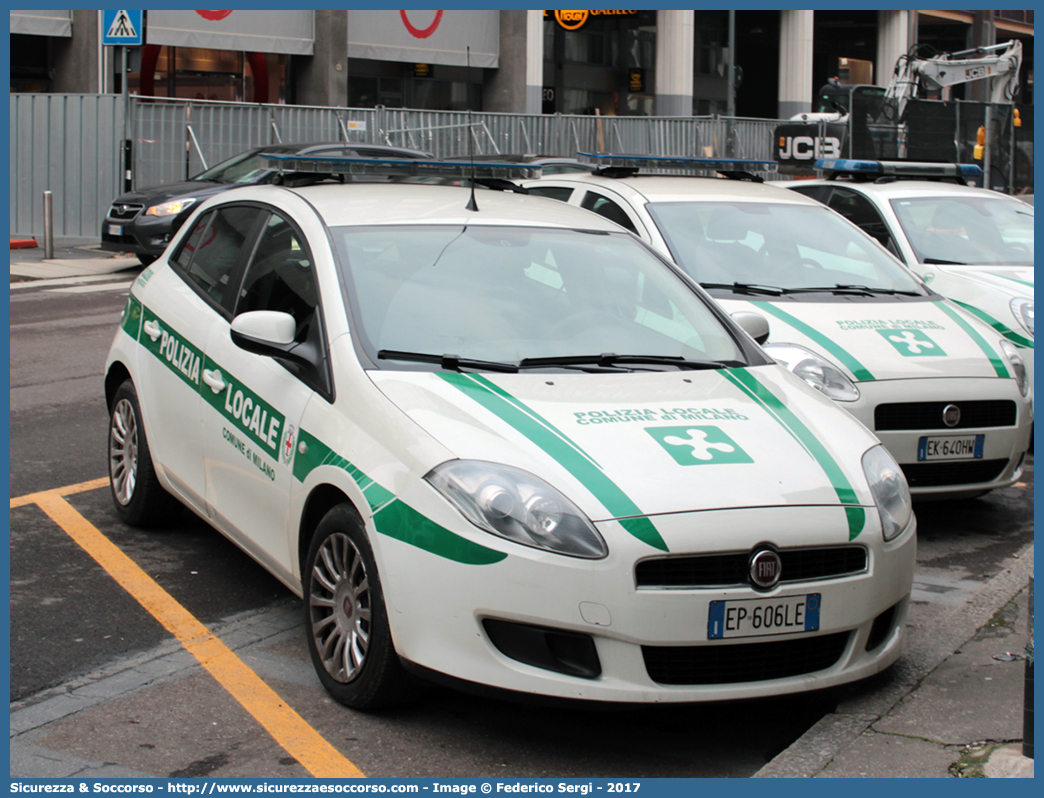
{"x":72,"y":625}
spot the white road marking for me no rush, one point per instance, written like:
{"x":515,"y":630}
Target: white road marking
{"x":85,"y":289}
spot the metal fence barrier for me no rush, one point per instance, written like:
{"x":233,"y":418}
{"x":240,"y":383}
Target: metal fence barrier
{"x":71,"y":144}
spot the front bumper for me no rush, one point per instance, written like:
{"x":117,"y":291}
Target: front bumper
{"x":142,"y":235}
{"x":441,"y":613}
{"x":1006,"y":429}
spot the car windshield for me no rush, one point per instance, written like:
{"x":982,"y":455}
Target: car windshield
{"x":968,"y":230}
{"x":506,"y":294}
{"x":778,"y":245}
{"x":242,"y":168}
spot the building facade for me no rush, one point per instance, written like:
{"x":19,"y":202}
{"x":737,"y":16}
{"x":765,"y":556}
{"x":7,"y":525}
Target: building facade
{"x":761,"y":64}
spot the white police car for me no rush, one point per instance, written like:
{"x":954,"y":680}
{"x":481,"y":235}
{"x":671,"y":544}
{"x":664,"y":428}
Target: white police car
{"x":506,"y":446}
{"x":973,"y":246}
{"x":948,"y":396}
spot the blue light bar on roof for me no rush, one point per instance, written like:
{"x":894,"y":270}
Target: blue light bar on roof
{"x":396,"y":167}
{"x":899,"y":168}
{"x":677,"y":163}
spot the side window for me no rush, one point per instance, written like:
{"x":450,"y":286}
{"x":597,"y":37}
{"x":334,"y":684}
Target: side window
{"x":604,"y":206}
{"x":815,"y":192}
{"x":191,"y":243}
{"x":553,"y":192}
{"x":211,"y":251}
{"x":280,"y":276}
{"x":861,"y":212}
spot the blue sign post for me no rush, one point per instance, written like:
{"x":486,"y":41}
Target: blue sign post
{"x":126,"y":28}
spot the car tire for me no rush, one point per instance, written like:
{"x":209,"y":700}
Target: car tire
{"x":145,"y":260}
{"x":136,"y":491}
{"x":349,"y":638}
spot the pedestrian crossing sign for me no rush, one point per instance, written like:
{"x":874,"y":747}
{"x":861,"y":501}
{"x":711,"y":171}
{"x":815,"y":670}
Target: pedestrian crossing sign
{"x":125,"y":28}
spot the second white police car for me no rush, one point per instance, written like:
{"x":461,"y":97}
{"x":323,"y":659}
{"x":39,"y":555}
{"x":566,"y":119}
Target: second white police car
{"x":506,"y":446}
{"x":948,"y":395}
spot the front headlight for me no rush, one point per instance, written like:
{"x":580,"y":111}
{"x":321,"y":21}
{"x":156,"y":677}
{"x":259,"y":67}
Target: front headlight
{"x":172,"y":208}
{"x":1018,"y":367}
{"x":817,"y":371}
{"x":890,"y":491}
{"x":518,"y":506}
{"x":1023,"y":310}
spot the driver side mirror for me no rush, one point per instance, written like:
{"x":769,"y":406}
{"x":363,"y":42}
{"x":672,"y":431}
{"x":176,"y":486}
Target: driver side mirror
{"x":753,"y":324}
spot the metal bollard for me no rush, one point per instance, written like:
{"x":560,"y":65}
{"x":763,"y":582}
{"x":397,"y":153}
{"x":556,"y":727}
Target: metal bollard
{"x":48,"y":225}
{"x":1027,"y":703}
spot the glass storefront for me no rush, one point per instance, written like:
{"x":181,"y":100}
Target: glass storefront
{"x":600,"y":61}
{"x":431,"y":87}
{"x":194,"y":73}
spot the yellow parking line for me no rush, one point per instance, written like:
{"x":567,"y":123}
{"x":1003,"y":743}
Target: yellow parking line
{"x":68,"y":490}
{"x":288,"y":728}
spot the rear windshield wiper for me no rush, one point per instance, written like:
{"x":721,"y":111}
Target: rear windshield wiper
{"x":747,"y":288}
{"x":609,"y":359}
{"x":941,"y":262}
{"x":448,"y":362}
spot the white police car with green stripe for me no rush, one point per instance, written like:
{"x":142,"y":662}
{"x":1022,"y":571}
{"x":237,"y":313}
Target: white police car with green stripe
{"x":948,"y":395}
{"x":973,"y":246}
{"x":506,"y":446}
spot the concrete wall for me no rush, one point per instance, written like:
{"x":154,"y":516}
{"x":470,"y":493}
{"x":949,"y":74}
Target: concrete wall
{"x":76,"y":69}
{"x":322,"y":78}
{"x":515,"y":86}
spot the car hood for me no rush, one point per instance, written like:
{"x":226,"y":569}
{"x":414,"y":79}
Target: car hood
{"x":154,"y":195}
{"x":629,"y":445}
{"x":885,"y":340}
{"x":1013,"y":280}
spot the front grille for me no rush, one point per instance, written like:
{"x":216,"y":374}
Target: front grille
{"x":730,"y":569}
{"x":744,"y":662}
{"x":968,"y":472}
{"x":929,"y":415}
{"x":125,"y":212}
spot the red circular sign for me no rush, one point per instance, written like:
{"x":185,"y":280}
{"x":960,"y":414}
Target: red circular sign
{"x":421,"y":33}
{"x":213,"y":16}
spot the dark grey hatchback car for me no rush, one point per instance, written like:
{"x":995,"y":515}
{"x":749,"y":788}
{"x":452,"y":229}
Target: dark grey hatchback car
{"x":143,"y":221}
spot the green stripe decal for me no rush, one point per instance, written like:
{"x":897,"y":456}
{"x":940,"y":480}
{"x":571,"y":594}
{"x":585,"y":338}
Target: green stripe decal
{"x":390,"y":515}
{"x":994,"y":358}
{"x":544,"y":435}
{"x":859,"y":371}
{"x":402,"y":522}
{"x":1015,"y":280}
{"x":759,"y":392}
{"x":1008,"y":333}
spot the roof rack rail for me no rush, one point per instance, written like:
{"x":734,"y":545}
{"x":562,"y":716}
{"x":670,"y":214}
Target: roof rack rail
{"x":624,"y":165}
{"x":886,"y":171}
{"x":320,"y":167}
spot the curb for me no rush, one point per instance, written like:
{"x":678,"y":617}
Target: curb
{"x":817,"y":747}
{"x":23,"y":243}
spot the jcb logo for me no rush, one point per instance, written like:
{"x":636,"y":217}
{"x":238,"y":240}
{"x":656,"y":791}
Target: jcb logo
{"x":808,"y":148}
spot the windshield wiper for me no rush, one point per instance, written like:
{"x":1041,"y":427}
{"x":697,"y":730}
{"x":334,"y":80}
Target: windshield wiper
{"x":941,"y":262}
{"x":748,"y":288}
{"x":609,"y":359}
{"x":448,"y":362}
{"x":849,"y":289}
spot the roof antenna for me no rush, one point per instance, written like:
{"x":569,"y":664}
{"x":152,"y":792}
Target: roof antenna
{"x":472,"y":205}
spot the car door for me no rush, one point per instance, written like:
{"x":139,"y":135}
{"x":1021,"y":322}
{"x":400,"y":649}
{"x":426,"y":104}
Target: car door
{"x":254,"y":403}
{"x":179,"y":308}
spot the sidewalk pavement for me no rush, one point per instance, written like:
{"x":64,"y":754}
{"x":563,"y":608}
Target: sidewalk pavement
{"x":954,"y":707}
{"x":73,"y":257}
